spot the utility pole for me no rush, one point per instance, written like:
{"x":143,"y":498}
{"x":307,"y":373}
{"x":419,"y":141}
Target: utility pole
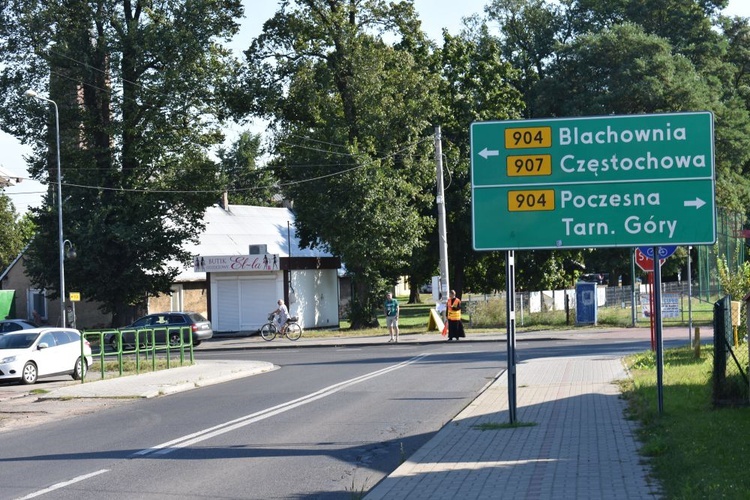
{"x":442,"y":232}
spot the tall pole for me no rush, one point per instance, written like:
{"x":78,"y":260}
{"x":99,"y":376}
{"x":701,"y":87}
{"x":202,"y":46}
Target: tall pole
{"x":690,"y":297}
{"x":656,"y":314}
{"x":510,"y":311}
{"x":61,"y":240}
{"x":442,"y":231}
{"x":633,"y":291}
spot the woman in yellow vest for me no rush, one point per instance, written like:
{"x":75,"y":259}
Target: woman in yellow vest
{"x":455,"y":326}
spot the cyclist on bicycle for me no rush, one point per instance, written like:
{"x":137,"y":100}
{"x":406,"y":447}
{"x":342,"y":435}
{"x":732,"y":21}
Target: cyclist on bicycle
{"x":282,"y":316}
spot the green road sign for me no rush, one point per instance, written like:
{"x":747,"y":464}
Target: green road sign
{"x":643,"y":180}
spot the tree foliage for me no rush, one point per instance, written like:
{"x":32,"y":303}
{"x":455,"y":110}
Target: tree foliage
{"x":353,"y":90}
{"x":476,"y":85}
{"x":137,"y":86}
{"x":246,"y":181}
{"x":352,"y":116}
{"x":15,"y":232}
{"x":734,"y":282}
{"x":621,"y":70}
{"x":602,"y":57}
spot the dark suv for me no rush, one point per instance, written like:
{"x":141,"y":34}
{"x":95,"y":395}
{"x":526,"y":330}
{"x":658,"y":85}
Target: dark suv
{"x":167,"y":325}
{"x":11,"y":325}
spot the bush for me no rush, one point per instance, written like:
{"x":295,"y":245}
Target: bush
{"x":492,"y":314}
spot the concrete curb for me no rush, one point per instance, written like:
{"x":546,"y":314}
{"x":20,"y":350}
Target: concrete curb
{"x":163,"y":382}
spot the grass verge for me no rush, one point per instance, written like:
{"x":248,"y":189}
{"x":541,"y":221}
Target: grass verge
{"x":489,"y":316}
{"x":129,"y":366}
{"x":695,"y":450}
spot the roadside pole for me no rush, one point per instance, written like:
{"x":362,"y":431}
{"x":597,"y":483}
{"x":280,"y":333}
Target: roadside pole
{"x":656,"y":314}
{"x":510,"y":309}
{"x":633,"y":312}
{"x":442,"y":231}
{"x":690,"y":297}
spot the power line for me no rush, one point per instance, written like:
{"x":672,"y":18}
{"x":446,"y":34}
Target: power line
{"x":237,"y":190}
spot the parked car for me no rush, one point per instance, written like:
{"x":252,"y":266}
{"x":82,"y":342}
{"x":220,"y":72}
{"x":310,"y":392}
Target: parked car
{"x":26,"y":355}
{"x":598,"y":278}
{"x":11,"y":325}
{"x":165,"y":325}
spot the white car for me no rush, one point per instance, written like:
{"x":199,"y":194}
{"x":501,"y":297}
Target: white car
{"x":26,"y":355}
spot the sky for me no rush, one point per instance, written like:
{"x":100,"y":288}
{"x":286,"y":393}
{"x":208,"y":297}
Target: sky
{"x":435,"y":15}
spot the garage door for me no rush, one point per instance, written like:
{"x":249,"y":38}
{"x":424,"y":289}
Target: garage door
{"x":227,"y":306}
{"x":242,"y":304}
{"x":258,"y":299}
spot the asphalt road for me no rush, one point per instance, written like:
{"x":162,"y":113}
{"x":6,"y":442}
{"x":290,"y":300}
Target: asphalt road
{"x":329,"y":422}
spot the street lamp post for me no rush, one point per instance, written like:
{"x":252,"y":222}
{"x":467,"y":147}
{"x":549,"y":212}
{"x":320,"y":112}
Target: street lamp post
{"x":31,"y":93}
{"x":70,"y":253}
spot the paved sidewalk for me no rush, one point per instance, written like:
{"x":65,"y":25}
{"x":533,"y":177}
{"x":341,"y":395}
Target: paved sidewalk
{"x":578,"y":446}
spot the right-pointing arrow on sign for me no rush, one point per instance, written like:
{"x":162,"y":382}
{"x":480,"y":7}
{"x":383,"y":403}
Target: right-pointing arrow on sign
{"x":697,"y":203}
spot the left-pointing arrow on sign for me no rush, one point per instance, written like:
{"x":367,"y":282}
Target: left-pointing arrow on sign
{"x":697,"y":203}
{"x":488,"y":152}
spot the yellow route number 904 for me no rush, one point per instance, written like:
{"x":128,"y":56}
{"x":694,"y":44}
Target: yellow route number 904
{"x":528,"y":137}
{"x":531,"y":200}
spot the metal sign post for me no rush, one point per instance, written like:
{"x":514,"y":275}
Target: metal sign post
{"x":510,"y":308}
{"x":656,"y":313}
{"x":596,"y":182}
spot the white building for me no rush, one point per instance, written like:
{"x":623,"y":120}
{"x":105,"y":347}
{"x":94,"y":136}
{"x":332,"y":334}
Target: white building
{"x":249,"y":257}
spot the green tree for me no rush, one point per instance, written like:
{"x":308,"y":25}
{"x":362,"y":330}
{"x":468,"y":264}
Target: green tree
{"x":620,"y":70}
{"x":138,"y":85}
{"x":734,"y":282}
{"x":246,"y":182}
{"x":529,"y":33}
{"x":686,"y":24}
{"x":352,"y":145}
{"x":475,"y":86}
{"x":733,"y":130}
{"x":599,"y":57}
{"x":717,"y":50}
{"x":15,"y":232}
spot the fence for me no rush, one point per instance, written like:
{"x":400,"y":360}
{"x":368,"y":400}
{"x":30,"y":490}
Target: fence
{"x":141,"y":345}
{"x":731,"y":355}
{"x":677,"y":308}
{"x":730,"y":246}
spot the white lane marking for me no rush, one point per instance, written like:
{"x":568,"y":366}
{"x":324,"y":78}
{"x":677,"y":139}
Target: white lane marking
{"x":63,"y":484}
{"x":197,"y":437}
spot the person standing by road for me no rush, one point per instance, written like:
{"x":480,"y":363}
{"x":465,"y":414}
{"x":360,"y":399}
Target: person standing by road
{"x":391,"y":316}
{"x":282,"y":315}
{"x":455,"y":326}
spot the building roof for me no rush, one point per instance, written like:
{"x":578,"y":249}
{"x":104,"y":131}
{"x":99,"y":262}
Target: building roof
{"x":7,"y":179}
{"x":232,"y":231}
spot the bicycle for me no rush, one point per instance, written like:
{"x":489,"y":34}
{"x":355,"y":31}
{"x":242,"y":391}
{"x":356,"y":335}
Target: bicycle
{"x":292,"y":330}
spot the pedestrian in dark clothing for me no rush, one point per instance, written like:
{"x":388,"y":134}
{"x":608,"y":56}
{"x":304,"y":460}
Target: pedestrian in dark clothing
{"x":455,"y":326}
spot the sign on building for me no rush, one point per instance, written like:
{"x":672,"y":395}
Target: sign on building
{"x":235,"y":263}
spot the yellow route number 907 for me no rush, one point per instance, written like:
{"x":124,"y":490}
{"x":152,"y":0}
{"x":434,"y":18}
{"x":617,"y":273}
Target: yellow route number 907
{"x":531,"y":200}
{"x":528,"y":165}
